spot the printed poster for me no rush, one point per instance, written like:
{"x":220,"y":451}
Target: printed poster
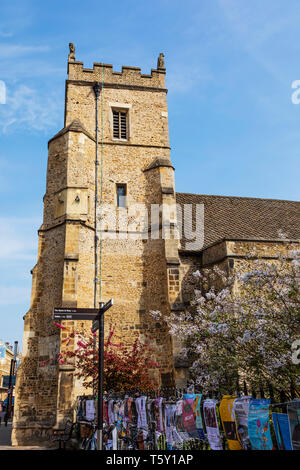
{"x":188,"y":416}
{"x":178,"y":417}
{"x":110,"y":412}
{"x":293,"y":410}
{"x":159,"y":414}
{"x":211,"y":423}
{"x":259,"y":424}
{"x":197,"y":414}
{"x":89,"y":410}
{"x":240,"y":411}
{"x":141,"y":410}
{"x":282,"y":431}
{"x":228,"y":422}
{"x":170,"y":411}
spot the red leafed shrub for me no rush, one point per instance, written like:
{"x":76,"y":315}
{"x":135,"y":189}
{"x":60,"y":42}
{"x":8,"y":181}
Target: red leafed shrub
{"x":125,"y":367}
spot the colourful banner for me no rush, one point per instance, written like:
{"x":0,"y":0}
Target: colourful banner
{"x":228,"y":422}
{"x":282,"y":431}
{"x":211,"y":423}
{"x":259,"y":424}
{"x":197,"y":414}
{"x":159,"y":414}
{"x":240,"y":411}
{"x":178,"y":418}
{"x":188,"y":416}
{"x":293,"y":410}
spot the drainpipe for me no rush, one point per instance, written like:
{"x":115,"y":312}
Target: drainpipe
{"x":97,"y":89}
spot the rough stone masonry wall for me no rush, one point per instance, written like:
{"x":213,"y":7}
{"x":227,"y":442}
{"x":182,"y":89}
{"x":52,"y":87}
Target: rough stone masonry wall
{"x":138,"y":266}
{"x":36,"y":388}
{"x":243,"y":253}
{"x":127,"y":77}
{"x":148,"y":124}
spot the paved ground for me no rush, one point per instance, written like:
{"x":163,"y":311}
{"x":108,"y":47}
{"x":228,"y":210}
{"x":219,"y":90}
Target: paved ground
{"x":5,"y":433}
{"x":5,"y":440}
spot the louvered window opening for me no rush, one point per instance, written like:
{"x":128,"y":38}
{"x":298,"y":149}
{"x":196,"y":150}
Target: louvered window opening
{"x":120,"y":125}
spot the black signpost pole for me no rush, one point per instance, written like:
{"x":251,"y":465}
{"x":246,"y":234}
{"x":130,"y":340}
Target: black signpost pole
{"x":100,"y":375}
{"x":98,"y":324}
{"x":102,"y":309}
{"x":9,"y":399}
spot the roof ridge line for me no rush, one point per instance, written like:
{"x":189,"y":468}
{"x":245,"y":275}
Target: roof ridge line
{"x":238,"y":197}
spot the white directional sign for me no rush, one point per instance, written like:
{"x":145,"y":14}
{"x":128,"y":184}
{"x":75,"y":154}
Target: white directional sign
{"x":82,"y":313}
{"x":75,"y":313}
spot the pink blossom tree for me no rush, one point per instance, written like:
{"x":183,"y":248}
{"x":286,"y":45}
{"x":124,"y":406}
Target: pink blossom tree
{"x":242,"y":325}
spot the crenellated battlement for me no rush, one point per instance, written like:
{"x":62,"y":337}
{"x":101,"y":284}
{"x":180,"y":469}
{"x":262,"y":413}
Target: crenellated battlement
{"x":128,"y":76}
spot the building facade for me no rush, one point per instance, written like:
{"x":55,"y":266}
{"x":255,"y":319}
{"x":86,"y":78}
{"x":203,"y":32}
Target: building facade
{"x":139,"y":267}
{"x":6,"y":367}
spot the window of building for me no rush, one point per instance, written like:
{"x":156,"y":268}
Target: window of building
{"x":120,"y":124}
{"x":121,"y":195}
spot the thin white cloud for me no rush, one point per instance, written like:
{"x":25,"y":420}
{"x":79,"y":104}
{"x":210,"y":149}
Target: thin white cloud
{"x":19,"y":62}
{"x":18,"y":254}
{"x":27,"y":108}
{"x":18,"y":238}
{"x":262,"y":30}
{"x":8,"y":172}
{"x":16,"y":17}
{"x":11,"y":51}
{"x":14,"y":71}
{"x":6,"y":34}
{"x":10,"y":295}
{"x":187,"y":80}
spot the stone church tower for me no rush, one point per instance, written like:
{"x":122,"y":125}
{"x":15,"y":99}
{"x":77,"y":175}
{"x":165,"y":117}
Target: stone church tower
{"x":139,"y":273}
{"x":143,"y":266}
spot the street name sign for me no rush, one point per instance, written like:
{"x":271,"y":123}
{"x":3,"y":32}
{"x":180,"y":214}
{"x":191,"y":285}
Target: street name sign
{"x":82,"y":313}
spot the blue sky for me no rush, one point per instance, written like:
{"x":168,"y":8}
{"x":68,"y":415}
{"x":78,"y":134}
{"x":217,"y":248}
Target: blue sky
{"x":233,"y":127}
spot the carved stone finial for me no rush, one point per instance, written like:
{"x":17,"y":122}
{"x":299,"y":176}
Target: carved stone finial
{"x":161,"y":61}
{"x":71,"y":56}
